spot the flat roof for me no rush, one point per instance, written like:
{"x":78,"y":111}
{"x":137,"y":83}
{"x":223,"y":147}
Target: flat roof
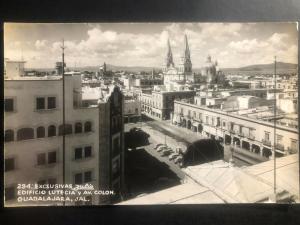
{"x":187,"y":193}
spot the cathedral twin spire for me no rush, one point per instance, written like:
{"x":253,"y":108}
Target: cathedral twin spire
{"x":186,"y":53}
{"x":169,"y":59}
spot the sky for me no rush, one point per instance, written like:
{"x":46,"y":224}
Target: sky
{"x":145,"y":44}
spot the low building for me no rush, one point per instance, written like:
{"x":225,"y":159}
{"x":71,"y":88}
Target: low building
{"x":252,"y":131}
{"x":132,"y":110}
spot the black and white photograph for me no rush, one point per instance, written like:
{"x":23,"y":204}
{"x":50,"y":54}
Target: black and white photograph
{"x":150,"y":113}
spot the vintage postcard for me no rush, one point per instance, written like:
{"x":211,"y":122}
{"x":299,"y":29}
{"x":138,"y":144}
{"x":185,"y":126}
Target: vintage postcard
{"x":150,"y":113}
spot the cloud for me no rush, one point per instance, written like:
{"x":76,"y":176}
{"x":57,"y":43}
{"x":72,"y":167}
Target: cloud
{"x":229,"y":43}
{"x":247,"y":46}
{"x":39,"y":44}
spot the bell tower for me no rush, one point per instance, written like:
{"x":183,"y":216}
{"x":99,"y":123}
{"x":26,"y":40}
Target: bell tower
{"x":185,"y":66}
{"x":169,"y":63}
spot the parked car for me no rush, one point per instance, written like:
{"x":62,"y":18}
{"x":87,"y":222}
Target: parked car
{"x":156,"y":147}
{"x":166,"y":152}
{"x":161,"y":148}
{"x":178,"y":159}
{"x":173,"y":156}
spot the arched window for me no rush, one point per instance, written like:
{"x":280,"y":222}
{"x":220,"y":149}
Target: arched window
{"x":9,"y":136}
{"x":40,"y":132}
{"x":67,"y":130}
{"x":87,"y":126}
{"x":78,"y":127}
{"x":25,"y":133}
{"x":51,"y":131}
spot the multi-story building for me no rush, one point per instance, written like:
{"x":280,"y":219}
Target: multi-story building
{"x":34,"y":131}
{"x":159,"y":104}
{"x":251,"y":129}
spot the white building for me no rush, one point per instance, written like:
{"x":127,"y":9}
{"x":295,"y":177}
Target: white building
{"x":34,"y":137}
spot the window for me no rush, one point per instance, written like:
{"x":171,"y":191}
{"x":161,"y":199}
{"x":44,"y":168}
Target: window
{"x":9,"y":164}
{"x":87,"y":176}
{"x":9,"y":136}
{"x":84,"y":177}
{"x":279,"y":138}
{"x":200,"y":116}
{"x":44,"y":158}
{"x":78,"y":153}
{"x":294,"y":144}
{"x":41,"y":159}
{"x":51,"y":131}
{"x":67,"y":130}
{"x":40,"y":132}
{"x":10,"y":193}
{"x":8,"y":105}
{"x":78,"y":128}
{"x":267,"y":136}
{"x":88,"y":127}
{"x":51,"y":102}
{"x":83,"y":152}
{"x":87,"y":151}
{"x":40,"y":103}
{"x":51,"y":157}
{"x":25,"y":133}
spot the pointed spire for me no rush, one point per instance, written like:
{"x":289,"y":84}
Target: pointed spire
{"x":169,"y":59}
{"x":186,"y":48}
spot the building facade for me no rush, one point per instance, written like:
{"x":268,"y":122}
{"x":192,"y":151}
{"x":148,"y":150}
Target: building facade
{"x":252,"y":134}
{"x":34,"y":136}
{"x":160,"y":104}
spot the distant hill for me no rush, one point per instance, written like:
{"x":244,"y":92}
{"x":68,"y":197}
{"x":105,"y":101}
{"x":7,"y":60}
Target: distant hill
{"x":281,"y":67}
{"x":262,"y":68}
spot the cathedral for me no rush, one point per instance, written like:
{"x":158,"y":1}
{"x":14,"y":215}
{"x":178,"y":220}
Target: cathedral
{"x":182,"y":73}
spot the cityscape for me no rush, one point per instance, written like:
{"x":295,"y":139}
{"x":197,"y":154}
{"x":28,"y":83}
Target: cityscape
{"x":156,"y":113}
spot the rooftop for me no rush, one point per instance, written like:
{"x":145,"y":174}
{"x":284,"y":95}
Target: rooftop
{"x":220,"y":182}
{"x":187,"y":193}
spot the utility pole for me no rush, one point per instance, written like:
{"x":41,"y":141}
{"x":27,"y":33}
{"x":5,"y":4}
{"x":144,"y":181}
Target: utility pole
{"x":275,"y":129}
{"x":64,"y":114}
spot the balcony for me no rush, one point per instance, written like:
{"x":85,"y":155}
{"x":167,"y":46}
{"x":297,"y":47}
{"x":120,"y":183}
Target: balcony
{"x":266,"y":142}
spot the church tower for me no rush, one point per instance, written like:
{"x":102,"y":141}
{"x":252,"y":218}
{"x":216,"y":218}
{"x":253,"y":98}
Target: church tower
{"x":169,"y":63}
{"x":185,"y":66}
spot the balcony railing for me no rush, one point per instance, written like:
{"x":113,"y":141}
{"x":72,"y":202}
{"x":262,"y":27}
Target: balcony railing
{"x":266,"y":142}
